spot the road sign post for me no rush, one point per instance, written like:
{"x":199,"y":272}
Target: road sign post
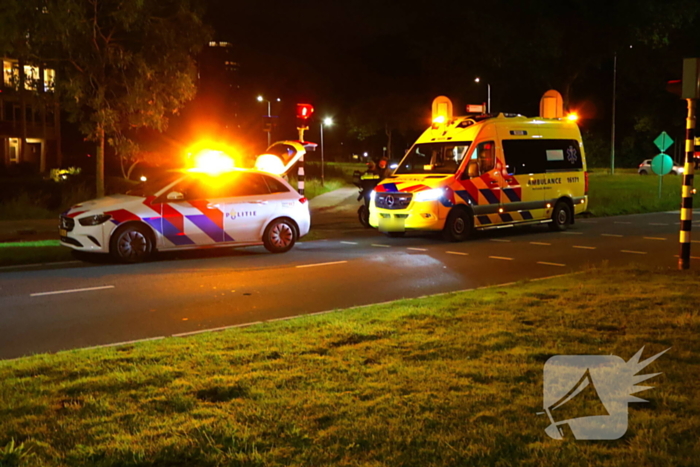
{"x":662,"y":163}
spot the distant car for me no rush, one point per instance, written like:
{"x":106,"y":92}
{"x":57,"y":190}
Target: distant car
{"x":645,"y":168}
{"x":188,"y":210}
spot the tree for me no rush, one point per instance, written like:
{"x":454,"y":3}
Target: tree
{"x":388,"y":114}
{"x":124,"y":64}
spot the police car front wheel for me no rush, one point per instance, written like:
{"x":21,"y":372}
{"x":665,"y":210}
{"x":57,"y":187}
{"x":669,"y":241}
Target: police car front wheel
{"x":280,"y":236}
{"x":131,"y":244}
{"x":561,"y":217}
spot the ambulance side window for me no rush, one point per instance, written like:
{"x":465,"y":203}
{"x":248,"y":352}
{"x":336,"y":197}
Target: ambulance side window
{"x":486,"y":156}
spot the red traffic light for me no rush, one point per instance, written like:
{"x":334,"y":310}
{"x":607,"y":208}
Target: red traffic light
{"x":304,"y":111}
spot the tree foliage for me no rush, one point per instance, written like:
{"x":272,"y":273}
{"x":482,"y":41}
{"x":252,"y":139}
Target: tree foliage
{"x":122,"y":64}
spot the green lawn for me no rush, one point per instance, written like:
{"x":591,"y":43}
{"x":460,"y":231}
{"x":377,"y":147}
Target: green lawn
{"x":630,"y":193}
{"x":454,"y":380}
{"x":44,"y":251}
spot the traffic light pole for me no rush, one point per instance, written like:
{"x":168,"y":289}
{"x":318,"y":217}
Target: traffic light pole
{"x":300,"y":163}
{"x":687,"y":191}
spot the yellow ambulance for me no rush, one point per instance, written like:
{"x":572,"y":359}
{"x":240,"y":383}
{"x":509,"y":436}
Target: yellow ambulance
{"x":486,"y":172}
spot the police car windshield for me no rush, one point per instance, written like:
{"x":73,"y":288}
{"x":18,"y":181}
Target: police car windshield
{"x":434,"y":158}
{"x":154,"y":184}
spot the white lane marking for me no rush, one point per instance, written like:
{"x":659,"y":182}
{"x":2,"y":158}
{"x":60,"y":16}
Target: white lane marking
{"x":501,"y":257}
{"x":349,"y":243}
{"x":380,"y":245}
{"x":223,"y":328}
{"x":17,"y":266}
{"x":417,"y":249}
{"x":502,"y":240}
{"x":320,"y":264}
{"x":58,"y":292}
{"x":692,"y":257}
{"x":117,"y":344}
{"x":623,"y":223}
{"x":540,"y":243}
{"x":634,"y":252}
{"x":551,"y":264}
{"x":654,"y":238}
{"x":583,"y":247}
{"x":573,"y":233}
{"x":588,"y":222}
{"x":612,"y":235}
{"x":457,"y":253}
{"x":657,"y":223}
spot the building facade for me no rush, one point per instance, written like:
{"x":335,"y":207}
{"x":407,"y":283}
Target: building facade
{"x":30,"y":125}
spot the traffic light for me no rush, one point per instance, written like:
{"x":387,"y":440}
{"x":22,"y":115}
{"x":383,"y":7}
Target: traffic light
{"x":304,"y":112}
{"x":689,"y":86}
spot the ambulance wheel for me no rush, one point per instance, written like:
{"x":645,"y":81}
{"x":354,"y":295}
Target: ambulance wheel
{"x":280,"y":236}
{"x":363,"y":215}
{"x":561,"y":217}
{"x":458,"y":226}
{"x":131,"y":243}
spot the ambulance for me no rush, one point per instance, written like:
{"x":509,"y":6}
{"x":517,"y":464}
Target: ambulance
{"x":486,"y":172}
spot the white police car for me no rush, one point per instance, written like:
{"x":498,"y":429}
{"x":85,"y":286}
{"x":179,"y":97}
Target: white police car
{"x":189,"y":210}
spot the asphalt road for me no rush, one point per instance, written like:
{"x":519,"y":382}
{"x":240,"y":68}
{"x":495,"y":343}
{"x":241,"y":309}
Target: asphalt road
{"x":82,"y":305}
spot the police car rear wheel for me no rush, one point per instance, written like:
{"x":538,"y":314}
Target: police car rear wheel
{"x":458,"y":226}
{"x":280,"y":236}
{"x":561,"y":217}
{"x":131,"y":244}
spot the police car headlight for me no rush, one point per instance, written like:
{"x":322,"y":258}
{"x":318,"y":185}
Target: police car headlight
{"x":372,"y":195}
{"x":429,"y":195}
{"x":94,"y":220}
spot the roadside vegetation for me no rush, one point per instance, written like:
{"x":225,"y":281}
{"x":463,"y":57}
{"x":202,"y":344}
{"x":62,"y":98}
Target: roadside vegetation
{"x":43,"y":251}
{"x":451,"y":380}
{"x":626,"y":192}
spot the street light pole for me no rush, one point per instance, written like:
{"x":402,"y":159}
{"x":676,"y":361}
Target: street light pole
{"x":326,"y":121}
{"x":269,"y":115}
{"x":488,"y":102}
{"x":612,"y":138}
{"x":488,"y":95}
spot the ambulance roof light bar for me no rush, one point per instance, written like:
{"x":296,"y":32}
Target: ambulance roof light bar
{"x":442,"y":111}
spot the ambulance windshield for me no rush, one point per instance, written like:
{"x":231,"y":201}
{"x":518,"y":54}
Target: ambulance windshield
{"x":435,"y":158}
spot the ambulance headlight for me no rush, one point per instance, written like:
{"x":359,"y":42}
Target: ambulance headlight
{"x":429,"y":195}
{"x":372,"y":195}
{"x":94,"y":220}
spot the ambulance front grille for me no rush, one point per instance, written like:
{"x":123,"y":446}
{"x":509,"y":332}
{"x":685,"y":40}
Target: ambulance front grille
{"x":393,"y":200}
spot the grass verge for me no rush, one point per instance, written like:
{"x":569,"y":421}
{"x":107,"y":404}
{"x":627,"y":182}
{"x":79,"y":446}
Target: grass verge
{"x":452,"y":380}
{"x":630,"y":193}
{"x":43,"y":251}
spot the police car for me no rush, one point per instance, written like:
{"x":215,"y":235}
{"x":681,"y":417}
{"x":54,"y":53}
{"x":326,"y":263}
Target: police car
{"x":188,"y":210}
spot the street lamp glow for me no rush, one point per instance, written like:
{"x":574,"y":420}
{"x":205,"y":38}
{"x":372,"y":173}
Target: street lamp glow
{"x":328,"y":121}
{"x":477,"y":80}
{"x":260,"y":98}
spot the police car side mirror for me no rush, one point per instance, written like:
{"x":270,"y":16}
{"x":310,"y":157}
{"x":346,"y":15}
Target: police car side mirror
{"x":175,"y":196}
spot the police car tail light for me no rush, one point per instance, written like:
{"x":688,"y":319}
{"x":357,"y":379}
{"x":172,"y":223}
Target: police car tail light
{"x":303,"y":200}
{"x":429,"y":195}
